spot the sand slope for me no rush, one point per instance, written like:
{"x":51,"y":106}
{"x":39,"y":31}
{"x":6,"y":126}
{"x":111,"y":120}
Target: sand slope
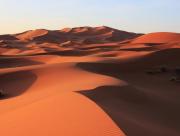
{"x":161,"y":37}
{"x":88,"y":81}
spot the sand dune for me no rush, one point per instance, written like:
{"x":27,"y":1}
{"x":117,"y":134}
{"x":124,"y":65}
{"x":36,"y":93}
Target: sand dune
{"x":7,"y":37}
{"x":29,"y":35}
{"x":89,"y":81}
{"x":161,"y":37}
{"x":59,"y":88}
{"x":141,"y":107}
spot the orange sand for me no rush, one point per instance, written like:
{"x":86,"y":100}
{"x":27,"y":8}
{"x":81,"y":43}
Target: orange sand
{"x":88,"y":81}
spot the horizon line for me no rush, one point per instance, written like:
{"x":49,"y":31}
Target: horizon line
{"x":91,"y":26}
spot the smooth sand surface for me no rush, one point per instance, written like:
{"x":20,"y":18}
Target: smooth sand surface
{"x":89,"y":81}
{"x":161,"y":37}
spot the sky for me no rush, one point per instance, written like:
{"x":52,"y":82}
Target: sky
{"x":141,"y":16}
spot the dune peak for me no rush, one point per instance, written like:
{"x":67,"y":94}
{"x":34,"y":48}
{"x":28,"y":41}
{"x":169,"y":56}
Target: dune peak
{"x":158,"y":37}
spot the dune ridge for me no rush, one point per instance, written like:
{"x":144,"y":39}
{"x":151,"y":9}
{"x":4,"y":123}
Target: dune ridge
{"x":89,"y":81}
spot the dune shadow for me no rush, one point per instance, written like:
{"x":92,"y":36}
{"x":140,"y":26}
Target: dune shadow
{"x":99,"y":47}
{"x":10,"y":62}
{"x":68,"y":53}
{"x":16,"y":83}
{"x":139,"y":49}
{"x":136,"y":112}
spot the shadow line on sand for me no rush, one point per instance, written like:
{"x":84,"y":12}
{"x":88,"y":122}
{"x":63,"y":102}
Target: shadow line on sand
{"x":16,"y":83}
{"x":135,"y":111}
{"x":12,"y":62}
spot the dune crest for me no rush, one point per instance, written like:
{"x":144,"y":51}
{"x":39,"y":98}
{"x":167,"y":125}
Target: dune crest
{"x":29,"y":35}
{"x":160,"y":37}
{"x":89,"y":81}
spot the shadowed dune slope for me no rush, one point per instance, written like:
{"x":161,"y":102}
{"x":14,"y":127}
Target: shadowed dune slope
{"x":7,"y":37}
{"x":52,"y":103}
{"x":89,"y":81}
{"x":10,"y":62}
{"x":16,"y":83}
{"x":148,"y":105}
{"x":136,"y":112}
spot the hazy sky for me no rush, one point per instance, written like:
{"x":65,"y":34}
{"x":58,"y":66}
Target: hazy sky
{"x":131,"y":15}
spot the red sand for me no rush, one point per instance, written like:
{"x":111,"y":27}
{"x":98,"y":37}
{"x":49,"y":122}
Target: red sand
{"x":88,"y":81}
{"x":161,"y":37}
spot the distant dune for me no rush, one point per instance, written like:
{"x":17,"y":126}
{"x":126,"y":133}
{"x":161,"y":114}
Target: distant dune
{"x":7,"y":37}
{"x":89,"y":81}
{"x":93,"y":34}
{"x":161,"y":37}
{"x":30,"y":35}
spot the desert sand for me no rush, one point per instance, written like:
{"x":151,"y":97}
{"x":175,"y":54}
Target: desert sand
{"x":89,"y":81}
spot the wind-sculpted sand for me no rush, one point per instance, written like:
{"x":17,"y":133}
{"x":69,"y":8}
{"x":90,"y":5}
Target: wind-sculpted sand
{"x":89,"y":81}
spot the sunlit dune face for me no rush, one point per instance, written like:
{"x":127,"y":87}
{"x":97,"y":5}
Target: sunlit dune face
{"x":161,"y":37}
{"x":89,"y":81}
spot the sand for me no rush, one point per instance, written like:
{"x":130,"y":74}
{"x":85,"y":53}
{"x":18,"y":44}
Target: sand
{"x":56,"y":83}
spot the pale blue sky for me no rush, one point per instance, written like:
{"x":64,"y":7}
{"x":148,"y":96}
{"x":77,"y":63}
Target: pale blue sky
{"x":131,"y":15}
